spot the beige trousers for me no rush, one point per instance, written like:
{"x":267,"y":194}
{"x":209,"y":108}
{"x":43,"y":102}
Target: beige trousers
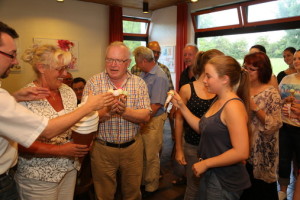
{"x":107,"y":161}
{"x":152,"y":135}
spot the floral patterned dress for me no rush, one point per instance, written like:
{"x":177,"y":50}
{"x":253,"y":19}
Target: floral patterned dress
{"x":50,"y":169}
{"x":264,"y":152}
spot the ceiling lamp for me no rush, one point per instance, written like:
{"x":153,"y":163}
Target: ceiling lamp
{"x":60,"y":0}
{"x":194,"y":1}
{"x":145,"y":7}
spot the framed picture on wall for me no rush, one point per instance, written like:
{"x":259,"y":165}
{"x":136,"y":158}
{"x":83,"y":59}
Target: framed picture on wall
{"x":167,"y":57}
{"x":16,"y":68}
{"x":73,"y":49}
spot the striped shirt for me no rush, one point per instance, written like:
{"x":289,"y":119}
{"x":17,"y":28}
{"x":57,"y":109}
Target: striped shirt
{"x":116,"y":129}
{"x":137,"y":71}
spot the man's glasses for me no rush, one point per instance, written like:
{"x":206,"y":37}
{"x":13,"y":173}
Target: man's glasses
{"x":118,"y":61}
{"x":156,"y":52}
{"x":12,"y":56}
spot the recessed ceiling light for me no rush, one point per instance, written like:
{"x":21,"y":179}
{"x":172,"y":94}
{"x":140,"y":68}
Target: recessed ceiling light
{"x":194,"y":1}
{"x":145,"y":7}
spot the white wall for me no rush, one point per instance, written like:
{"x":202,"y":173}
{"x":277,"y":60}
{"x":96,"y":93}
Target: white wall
{"x":84,"y":22}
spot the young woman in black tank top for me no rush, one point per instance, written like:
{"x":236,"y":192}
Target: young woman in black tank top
{"x":197,"y":100}
{"x":224,"y":143}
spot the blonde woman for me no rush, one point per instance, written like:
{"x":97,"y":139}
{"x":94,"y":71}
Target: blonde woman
{"x":48,"y":168}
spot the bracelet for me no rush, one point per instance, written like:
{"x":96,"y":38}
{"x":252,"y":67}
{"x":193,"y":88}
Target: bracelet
{"x":256,"y":109}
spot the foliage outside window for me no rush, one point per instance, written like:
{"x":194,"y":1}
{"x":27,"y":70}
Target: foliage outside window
{"x":134,"y":27}
{"x":132,"y":45}
{"x":275,"y":10}
{"x":217,"y":19}
{"x":273,"y":24}
{"x":238,"y":45}
{"x":135,"y":33}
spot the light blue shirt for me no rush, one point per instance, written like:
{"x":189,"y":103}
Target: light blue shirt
{"x":158,"y":86}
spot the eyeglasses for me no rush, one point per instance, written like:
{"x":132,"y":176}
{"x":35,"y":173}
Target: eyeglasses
{"x":12,"y":56}
{"x":62,"y":69}
{"x":250,"y":69}
{"x":118,"y":61}
{"x":156,"y":52}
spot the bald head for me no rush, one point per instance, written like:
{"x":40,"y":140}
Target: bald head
{"x":189,"y":55}
{"x":155,"y":47}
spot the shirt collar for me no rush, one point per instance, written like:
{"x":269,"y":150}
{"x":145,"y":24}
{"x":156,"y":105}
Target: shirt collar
{"x":129,"y":76}
{"x":152,"y":71}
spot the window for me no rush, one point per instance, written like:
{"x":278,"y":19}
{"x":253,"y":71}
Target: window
{"x":134,"y":27}
{"x":253,"y":16}
{"x":275,"y":10}
{"x":132,"y":45}
{"x":238,"y":45}
{"x":274,"y":24}
{"x":217,"y":19}
{"x":135,"y":33}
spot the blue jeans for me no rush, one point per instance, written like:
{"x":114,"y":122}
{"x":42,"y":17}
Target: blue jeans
{"x":211,"y":189}
{"x":8,"y":189}
{"x":192,"y":188}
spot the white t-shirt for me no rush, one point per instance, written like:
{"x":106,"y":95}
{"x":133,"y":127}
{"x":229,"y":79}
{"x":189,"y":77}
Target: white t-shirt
{"x":290,"y":85}
{"x":17,"y":124}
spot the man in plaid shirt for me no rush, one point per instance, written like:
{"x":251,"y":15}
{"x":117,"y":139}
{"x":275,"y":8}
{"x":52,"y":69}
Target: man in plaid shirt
{"x":118,"y":146}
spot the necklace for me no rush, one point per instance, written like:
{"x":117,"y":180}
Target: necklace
{"x":53,"y":93}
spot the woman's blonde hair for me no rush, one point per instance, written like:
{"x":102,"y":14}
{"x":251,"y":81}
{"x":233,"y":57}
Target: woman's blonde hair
{"x":49,"y":55}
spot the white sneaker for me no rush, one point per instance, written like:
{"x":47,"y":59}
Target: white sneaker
{"x":281,"y":195}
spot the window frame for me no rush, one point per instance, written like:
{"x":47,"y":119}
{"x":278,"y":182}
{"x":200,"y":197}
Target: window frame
{"x":216,"y":10}
{"x":244,"y":26}
{"x":135,"y":36}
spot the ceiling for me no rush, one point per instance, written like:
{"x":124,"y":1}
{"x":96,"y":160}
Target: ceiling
{"x":153,"y":4}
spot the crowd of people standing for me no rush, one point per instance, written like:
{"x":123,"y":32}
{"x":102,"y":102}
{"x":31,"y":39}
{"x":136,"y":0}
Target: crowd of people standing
{"x":235,"y":129}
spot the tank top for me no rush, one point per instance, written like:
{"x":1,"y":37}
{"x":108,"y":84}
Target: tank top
{"x":198,"y":107}
{"x":215,"y":140}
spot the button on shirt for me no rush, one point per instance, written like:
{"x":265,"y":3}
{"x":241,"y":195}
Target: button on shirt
{"x":116,"y":129}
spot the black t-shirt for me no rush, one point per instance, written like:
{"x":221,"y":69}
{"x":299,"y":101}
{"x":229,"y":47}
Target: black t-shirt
{"x":184,"y":78}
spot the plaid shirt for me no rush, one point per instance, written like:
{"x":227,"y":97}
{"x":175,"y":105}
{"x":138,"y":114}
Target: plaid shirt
{"x":116,"y":129}
{"x":137,"y":71}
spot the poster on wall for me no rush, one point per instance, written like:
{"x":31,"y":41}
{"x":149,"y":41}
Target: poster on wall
{"x":167,"y":57}
{"x":67,"y":45}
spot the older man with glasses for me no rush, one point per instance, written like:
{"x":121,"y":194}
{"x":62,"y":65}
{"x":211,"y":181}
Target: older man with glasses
{"x":118,"y":146}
